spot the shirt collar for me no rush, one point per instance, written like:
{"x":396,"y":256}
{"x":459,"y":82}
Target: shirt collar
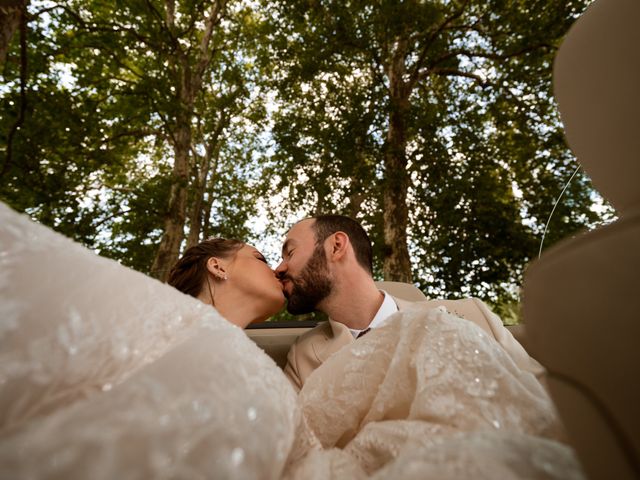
{"x":387,"y":309}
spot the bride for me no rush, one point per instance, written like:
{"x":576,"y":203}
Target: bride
{"x":106,"y":373}
{"x":235,"y":274}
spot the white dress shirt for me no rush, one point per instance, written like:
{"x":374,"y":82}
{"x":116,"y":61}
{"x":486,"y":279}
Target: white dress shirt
{"x":387,"y":309}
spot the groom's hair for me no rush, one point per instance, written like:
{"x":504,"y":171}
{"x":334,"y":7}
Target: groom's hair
{"x":189,"y":274}
{"x":326,"y":225}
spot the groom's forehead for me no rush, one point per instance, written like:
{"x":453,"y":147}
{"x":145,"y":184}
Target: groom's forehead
{"x":302,"y":229}
{"x":301,"y":232}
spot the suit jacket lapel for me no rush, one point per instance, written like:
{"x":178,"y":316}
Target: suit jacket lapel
{"x":333,"y":340}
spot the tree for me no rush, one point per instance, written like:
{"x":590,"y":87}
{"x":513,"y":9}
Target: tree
{"x":154,"y":93}
{"x":441,"y":113}
{"x":139,"y":128}
{"x":12,"y":16}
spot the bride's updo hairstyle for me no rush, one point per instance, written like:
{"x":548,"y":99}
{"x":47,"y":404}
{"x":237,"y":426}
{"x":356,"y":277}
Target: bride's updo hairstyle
{"x":190,"y":272}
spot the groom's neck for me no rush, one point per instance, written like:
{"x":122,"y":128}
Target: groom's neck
{"x":354,"y":301}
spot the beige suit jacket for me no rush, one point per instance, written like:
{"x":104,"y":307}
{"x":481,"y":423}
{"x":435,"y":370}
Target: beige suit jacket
{"x":311,"y":349}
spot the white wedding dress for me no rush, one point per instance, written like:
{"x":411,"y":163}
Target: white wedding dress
{"x":106,"y":373}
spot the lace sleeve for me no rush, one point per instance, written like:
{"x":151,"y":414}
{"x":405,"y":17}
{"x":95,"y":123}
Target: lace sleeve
{"x":106,"y":373}
{"x":73,"y":323}
{"x":420,"y":381}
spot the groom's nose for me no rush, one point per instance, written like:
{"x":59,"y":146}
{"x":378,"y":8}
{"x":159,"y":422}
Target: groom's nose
{"x":281,"y":269}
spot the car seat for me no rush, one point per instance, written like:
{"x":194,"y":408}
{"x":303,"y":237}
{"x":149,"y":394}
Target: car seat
{"x":582,"y":298}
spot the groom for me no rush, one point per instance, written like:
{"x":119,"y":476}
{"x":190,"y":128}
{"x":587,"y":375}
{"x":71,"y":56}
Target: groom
{"x":327,"y":266}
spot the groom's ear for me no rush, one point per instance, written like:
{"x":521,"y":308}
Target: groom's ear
{"x":339,"y":245}
{"x":216,"y":268}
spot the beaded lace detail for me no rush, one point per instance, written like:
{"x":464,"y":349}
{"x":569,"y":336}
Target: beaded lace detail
{"x":106,"y":373}
{"x":430,"y":394}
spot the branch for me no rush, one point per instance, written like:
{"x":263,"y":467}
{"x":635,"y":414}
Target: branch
{"x":453,"y":72}
{"x":205,"y":54}
{"x":212,"y":146}
{"x":423,"y":54}
{"x":472,"y":26}
{"x":119,"y":212}
{"x":170,"y":13}
{"x":67,"y":9}
{"x":463,"y":27}
{"x":433,"y":68}
{"x":107,"y":26}
{"x":379,"y":64}
{"x":164,"y":119}
{"x":491,"y":56}
{"x":115,"y":28}
{"x":140,"y":133}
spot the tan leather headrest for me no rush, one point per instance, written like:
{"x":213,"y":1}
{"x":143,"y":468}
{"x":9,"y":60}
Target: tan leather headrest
{"x":597,"y":85}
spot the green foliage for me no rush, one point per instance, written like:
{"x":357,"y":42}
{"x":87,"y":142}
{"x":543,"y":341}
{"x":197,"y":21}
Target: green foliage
{"x":293,"y":115}
{"x":93,"y":157}
{"x":485,"y":148}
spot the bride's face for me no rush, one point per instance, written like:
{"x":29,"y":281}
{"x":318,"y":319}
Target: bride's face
{"x":251,"y":275}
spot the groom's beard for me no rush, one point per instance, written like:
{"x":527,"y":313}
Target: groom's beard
{"x":312,"y":285}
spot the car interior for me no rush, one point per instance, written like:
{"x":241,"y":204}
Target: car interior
{"x":581,"y":298}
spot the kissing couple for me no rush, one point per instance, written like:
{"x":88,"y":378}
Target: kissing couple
{"x":327,"y":266}
{"x":106,"y":373}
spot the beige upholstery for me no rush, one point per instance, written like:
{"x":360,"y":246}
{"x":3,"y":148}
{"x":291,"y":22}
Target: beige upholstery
{"x":276,"y":342}
{"x":597,"y":83}
{"x":582,"y":298}
{"x":408,"y":291}
{"x":405,"y":291}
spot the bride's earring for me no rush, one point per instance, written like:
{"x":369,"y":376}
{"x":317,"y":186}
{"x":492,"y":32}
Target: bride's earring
{"x":222,"y":276}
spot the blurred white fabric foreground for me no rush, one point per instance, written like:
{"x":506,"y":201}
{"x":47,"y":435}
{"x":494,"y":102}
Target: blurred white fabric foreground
{"x":106,"y":373}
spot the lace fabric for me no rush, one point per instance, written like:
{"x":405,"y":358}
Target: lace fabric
{"x":420,"y":383}
{"x":106,"y":373}
{"x":74,"y":323}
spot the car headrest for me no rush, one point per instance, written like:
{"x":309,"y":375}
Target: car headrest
{"x":581,"y":297}
{"x":597,"y":86}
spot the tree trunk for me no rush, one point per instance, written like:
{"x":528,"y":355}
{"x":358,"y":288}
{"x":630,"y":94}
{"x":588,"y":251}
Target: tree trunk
{"x":355,"y":204}
{"x":9,"y":22}
{"x":12,"y":17}
{"x":169,"y":248}
{"x":356,"y":194}
{"x":190,"y":76}
{"x":195,"y":212}
{"x":396,"y":262}
{"x":197,"y":226}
